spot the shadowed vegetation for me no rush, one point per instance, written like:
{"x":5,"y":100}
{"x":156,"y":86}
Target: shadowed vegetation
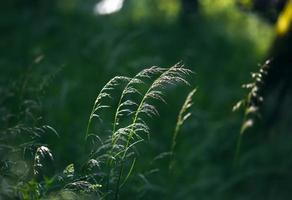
{"x":84,"y":116}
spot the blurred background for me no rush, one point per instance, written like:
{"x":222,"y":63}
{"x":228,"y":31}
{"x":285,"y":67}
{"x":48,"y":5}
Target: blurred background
{"x":56,"y":55}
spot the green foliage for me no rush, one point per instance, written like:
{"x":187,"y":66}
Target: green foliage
{"x":104,"y":174}
{"x":119,"y":148}
{"x":22,"y":133}
{"x":66,"y":54}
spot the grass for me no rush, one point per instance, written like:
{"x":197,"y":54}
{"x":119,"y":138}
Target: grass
{"x":118,"y":147}
{"x":252,"y":103}
{"x":223,"y":46}
{"x":183,"y":115}
{"x":112,"y":158}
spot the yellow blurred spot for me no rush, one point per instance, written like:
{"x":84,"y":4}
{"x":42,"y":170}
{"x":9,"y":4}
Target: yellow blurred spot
{"x":170,"y":8}
{"x":285,"y":20}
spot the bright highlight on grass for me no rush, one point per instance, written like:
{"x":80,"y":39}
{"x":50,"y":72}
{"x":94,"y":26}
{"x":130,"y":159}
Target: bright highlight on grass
{"x":106,"y":7}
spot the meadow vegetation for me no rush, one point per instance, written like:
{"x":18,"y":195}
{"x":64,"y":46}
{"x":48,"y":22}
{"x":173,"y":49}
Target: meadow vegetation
{"x":137,"y":104}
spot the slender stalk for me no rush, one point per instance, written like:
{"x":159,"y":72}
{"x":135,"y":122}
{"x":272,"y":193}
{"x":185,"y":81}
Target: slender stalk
{"x":102,"y":94}
{"x":117,"y":191}
{"x":89,"y":122}
{"x":182,"y":117}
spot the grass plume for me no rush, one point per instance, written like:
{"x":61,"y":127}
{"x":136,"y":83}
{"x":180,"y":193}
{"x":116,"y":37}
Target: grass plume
{"x":251,"y":103}
{"x":116,"y":152}
{"x":183,"y":115}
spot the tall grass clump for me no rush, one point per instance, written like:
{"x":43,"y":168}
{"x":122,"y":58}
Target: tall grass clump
{"x":111,"y":140}
{"x":116,"y":153}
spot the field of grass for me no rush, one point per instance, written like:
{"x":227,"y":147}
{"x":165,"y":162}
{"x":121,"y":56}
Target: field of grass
{"x":56,"y":63}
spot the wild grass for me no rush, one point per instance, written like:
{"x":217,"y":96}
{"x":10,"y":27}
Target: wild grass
{"x":112,"y":153}
{"x":183,"y":115}
{"x":252,"y":103}
{"x":117,"y":153}
{"x":22,"y":133}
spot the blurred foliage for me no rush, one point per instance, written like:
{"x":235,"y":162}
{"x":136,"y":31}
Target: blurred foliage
{"x":285,"y":20}
{"x":61,"y":54}
{"x":268,"y":9}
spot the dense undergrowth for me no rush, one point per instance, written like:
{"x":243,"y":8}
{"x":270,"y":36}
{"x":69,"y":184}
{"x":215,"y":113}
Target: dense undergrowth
{"x":52,"y":64}
{"x":111,"y":145}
